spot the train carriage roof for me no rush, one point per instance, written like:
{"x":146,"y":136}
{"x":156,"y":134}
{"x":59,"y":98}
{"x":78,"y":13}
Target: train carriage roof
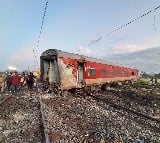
{"x":59,"y":53}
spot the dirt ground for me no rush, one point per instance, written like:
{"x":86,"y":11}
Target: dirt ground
{"x":32,"y":117}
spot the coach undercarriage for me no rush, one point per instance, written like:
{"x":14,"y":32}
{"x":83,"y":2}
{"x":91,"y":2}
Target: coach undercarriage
{"x":85,"y":90}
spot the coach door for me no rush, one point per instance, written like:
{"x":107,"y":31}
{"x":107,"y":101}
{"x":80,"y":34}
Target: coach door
{"x":49,"y":69}
{"x":80,"y":72}
{"x":52,"y":72}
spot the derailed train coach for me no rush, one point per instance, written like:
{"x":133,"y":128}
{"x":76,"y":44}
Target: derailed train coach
{"x":68,"y":70}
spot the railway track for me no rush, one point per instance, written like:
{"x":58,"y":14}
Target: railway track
{"x":129,"y":109}
{"x":143,"y":118}
{"x":45,"y":135}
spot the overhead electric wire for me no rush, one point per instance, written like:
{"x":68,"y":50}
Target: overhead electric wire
{"x":154,"y":21}
{"x":39,"y":36}
{"x":119,"y":28}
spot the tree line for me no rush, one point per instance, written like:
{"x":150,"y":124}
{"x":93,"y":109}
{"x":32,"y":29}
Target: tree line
{"x":146,"y":75}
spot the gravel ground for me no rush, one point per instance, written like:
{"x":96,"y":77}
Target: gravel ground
{"x":70,"y":119}
{"x":74,"y":119}
{"x":20,"y":120}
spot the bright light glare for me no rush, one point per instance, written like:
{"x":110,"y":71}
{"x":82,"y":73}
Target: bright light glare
{"x":12,"y":68}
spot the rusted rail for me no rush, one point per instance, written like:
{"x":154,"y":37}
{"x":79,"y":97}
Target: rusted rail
{"x":114,"y":105}
{"x":125,"y":109}
{"x":45,"y":135}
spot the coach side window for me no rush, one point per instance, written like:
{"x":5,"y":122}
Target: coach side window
{"x":92,"y":72}
{"x":133,"y":73}
{"x":118,"y":73}
{"x":103,"y":72}
{"x":111,"y":72}
{"x":125,"y":73}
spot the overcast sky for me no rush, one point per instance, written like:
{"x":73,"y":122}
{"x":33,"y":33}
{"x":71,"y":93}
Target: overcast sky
{"x":71,"y":25}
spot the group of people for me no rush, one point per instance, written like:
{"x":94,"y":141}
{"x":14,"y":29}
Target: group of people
{"x":153,"y":80}
{"x":15,"y":81}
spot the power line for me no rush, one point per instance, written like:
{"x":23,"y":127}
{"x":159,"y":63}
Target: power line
{"x":154,"y":21}
{"x":39,"y":36}
{"x":119,"y":28}
{"x":41,"y":28}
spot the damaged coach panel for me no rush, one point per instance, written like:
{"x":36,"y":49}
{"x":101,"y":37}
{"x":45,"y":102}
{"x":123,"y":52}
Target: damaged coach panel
{"x":60,"y":68}
{"x":68,"y":70}
{"x":49,"y":67}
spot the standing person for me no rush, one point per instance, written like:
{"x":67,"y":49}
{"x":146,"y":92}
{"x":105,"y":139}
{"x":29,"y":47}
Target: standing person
{"x":156,"y":80}
{"x":27,"y":80}
{"x":151,"y":79}
{"x":15,"y":79}
{"x":22,"y":79}
{"x":2,"y":83}
{"x":31,"y":80}
{"x":8,"y":81}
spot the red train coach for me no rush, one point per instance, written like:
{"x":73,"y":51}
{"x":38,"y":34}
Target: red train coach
{"x":68,"y":70}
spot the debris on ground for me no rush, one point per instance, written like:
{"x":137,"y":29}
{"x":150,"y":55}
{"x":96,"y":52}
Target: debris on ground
{"x":32,"y":117}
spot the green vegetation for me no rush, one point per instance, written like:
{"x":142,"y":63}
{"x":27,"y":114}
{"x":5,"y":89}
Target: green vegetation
{"x":147,"y":80}
{"x":151,"y":78}
{"x":143,"y":81}
{"x":145,"y":75}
